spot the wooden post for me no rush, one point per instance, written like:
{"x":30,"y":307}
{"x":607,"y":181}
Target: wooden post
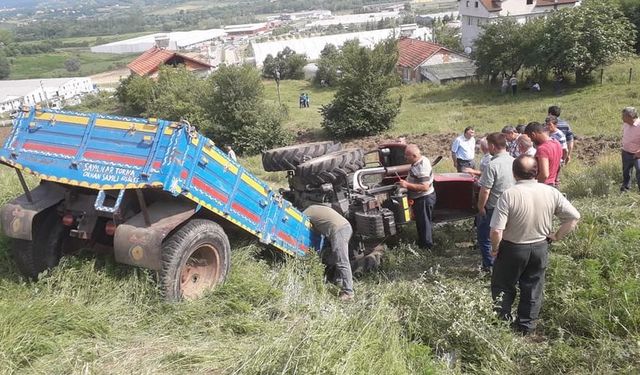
{"x":630,"y":73}
{"x":601,"y":75}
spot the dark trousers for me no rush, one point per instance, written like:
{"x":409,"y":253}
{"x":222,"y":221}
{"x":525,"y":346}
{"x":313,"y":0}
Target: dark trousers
{"x":484,"y":241}
{"x":423,"y":215}
{"x":461,"y":163}
{"x":525,"y":265}
{"x":628,"y":163}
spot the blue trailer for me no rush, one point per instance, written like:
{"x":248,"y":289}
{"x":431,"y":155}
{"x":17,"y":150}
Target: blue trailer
{"x":157,"y":192}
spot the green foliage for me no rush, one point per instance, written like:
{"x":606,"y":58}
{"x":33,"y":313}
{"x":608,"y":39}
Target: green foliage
{"x":72,"y":65}
{"x":5,"y":67}
{"x":136,"y":94}
{"x":447,"y":36}
{"x":287,"y":62}
{"x":328,"y":66}
{"x":178,"y":93}
{"x":584,"y":38}
{"x":362,"y":105}
{"x":631,"y":9}
{"x":235,"y":104}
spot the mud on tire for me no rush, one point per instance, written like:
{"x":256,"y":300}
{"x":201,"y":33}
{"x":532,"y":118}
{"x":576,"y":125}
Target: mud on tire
{"x":287,"y":158}
{"x":195,"y":259}
{"x":45,"y":249}
{"x":330,"y":168}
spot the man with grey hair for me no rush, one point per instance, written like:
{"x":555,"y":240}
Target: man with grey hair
{"x":525,"y":146}
{"x":630,"y":147}
{"x":511,"y":135}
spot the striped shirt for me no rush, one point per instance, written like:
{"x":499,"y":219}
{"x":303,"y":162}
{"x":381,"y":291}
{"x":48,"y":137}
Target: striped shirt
{"x":565,"y":128}
{"x":560,"y":137}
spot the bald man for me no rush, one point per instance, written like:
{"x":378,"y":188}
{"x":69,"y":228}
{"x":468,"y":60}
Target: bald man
{"x":419,"y":183}
{"x":521,"y":230}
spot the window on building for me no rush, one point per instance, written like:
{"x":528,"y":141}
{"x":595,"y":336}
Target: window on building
{"x":529,"y":2}
{"x":476,"y":4}
{"x":405,"y":74}
{"x":467,"y":4}
{"x":469,"y":21}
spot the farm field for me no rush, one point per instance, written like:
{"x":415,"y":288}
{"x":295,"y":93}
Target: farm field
{"x":421,"y":313}
{"x":51,"y":65}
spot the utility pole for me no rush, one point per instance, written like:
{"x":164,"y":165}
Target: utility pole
{"x":277,"y":75}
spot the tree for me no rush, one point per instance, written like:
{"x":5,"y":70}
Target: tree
{"x":287,"y":62}
{"x":136,"y":94}
{"x":446,"y":36}
{"x":5,"y":67}
{"x":631,"y":10}
{"x":177,"y":93}
{"x":582,"y":39}
{"x":328,"y":66}
{"x":72,"y":65}
{"x":500,"y":48}
{"x":362,"y":105}
{"x":235,"y":104}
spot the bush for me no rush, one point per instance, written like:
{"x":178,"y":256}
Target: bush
{"x":72,"y":65}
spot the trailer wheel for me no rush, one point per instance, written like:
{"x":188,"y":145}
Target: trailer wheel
{"x":287,"y":158}
{"x":330,"y":168}
{"x":194,"y":260}
{"x":45,"y":249}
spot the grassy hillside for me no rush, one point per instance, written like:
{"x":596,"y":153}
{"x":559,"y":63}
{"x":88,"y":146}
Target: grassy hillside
{"x":592,"y":110}
{"x":51,"y":65}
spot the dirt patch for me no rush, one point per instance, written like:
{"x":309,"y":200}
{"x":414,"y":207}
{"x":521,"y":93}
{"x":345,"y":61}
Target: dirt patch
{"x":4,"y":132}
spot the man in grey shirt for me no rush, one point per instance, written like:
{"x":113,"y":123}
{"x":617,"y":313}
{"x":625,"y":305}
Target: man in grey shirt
{"x":521,"y":230}
{"x":495,"y":179}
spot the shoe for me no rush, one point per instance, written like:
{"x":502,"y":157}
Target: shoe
{"x":487,"y":269}
{"x":345,"y":296}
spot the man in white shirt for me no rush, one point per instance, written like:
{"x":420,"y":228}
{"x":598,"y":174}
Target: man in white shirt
{"x":463,"y":150}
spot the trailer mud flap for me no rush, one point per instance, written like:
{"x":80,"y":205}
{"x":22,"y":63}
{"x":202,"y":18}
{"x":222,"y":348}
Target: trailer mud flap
{"x":137,"y":244}
{"x":17,"y":215}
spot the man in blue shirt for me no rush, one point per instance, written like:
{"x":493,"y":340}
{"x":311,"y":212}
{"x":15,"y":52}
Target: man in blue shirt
{"x":463,"y":150}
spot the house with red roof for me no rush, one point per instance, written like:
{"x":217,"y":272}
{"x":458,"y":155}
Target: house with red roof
{"x":420,"y":61}
{"x":148,"y":64}
{"x":475,"y":13}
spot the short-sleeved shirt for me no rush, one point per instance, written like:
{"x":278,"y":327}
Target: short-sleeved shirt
{"x":631,"y":136}
{"x":564,"y":127}
{"x":512,"y":147}
{"x":497,"y":177}
{"x":513,"y":81}
{"x":419,"y":173}
{"x":464,"y":148}
{"x":325,"y":219}
{"x":525,"y":212}
{"x":552,"y":151}
{"x":559,"y":136}
{"x":484,"y":162}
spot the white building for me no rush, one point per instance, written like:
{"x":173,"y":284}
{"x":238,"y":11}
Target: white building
{"x":50,"y":92}
{"x":475,"y":13}
{"x":310,"y":14}
{"x":352,"y":19}
{"x":178,"y":40}
{"x":311,"y":47}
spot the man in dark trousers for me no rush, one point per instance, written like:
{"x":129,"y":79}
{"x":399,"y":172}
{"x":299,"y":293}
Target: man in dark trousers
{"x":419,"y":183}
{"x":521,"y":230}
{"x":338,"y":231}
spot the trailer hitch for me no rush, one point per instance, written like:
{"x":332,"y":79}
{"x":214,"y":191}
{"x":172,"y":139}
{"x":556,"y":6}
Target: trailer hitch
{"x":99,"y":205}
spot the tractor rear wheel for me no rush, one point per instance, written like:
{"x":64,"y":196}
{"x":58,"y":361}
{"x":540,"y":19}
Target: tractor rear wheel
{"x":195,"y":259}
{"x":45,"y":249}
{"x":287,"y":158}
{"x":331,"y":168}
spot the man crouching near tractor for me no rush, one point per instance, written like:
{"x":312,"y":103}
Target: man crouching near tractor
{"x":338,"y":231}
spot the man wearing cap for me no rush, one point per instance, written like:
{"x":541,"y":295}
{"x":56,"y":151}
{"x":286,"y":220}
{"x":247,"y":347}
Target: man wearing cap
{"x":463,"y":150}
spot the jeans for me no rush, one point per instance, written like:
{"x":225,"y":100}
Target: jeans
{"x":628,"y":163}
{"x":338,"y":258}
{"x":525,"y":265}
{"x":484,"y":240}
{"x":423,"y":214}
{"x":461,"y":164}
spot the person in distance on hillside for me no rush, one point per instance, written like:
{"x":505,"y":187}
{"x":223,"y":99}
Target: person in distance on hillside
{"x":521,"y":231}
{"x":548,"y":153}
{"x":463,"y":150}
{"x":496,"y":178}
{"x":338,"y":231}
{"x":419,"y":183}
{"x":514,"y":84}
{"x":630,"y":147}
{"x":230,"y":153}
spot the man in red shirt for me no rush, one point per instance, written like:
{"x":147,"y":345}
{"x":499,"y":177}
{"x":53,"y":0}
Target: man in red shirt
{"x":548,"y":153}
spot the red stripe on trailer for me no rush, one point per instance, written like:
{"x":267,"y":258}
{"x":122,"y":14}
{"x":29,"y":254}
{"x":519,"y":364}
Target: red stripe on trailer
{"x":250,"y":215}
{"x":96,"y":155}
{"x":209,"y":190}
{"x":287,"y":238}
{"x":184,"y":174}
{"x":49,"y":148}
{"x":156,"y":164}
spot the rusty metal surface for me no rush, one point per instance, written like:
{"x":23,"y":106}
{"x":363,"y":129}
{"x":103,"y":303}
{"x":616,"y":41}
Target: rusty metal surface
{"x":17,"y":216}
{"x":137,"y":244}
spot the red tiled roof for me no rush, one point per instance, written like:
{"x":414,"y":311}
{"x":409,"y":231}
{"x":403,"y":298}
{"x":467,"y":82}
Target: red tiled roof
{"x":542,"y":3}
{"x":153,"y":58}
{"x":414,"y":51}
{"x":491,"y":5}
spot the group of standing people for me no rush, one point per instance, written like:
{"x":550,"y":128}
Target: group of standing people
{"x":303,"y":100}
{"x":517,"y":201}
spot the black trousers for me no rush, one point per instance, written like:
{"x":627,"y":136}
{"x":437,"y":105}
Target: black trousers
{"x":524,"y":265}
{"x":423,"y":215}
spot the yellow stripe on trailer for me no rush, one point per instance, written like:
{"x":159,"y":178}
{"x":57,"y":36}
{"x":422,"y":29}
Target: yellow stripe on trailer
{"x":405,"y":205}
{"x":254,"y":184}
{"x":220,"y":159}
{"x":124,"y":125}
{"x":80,"y":120}
{"x":294,"y":214}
